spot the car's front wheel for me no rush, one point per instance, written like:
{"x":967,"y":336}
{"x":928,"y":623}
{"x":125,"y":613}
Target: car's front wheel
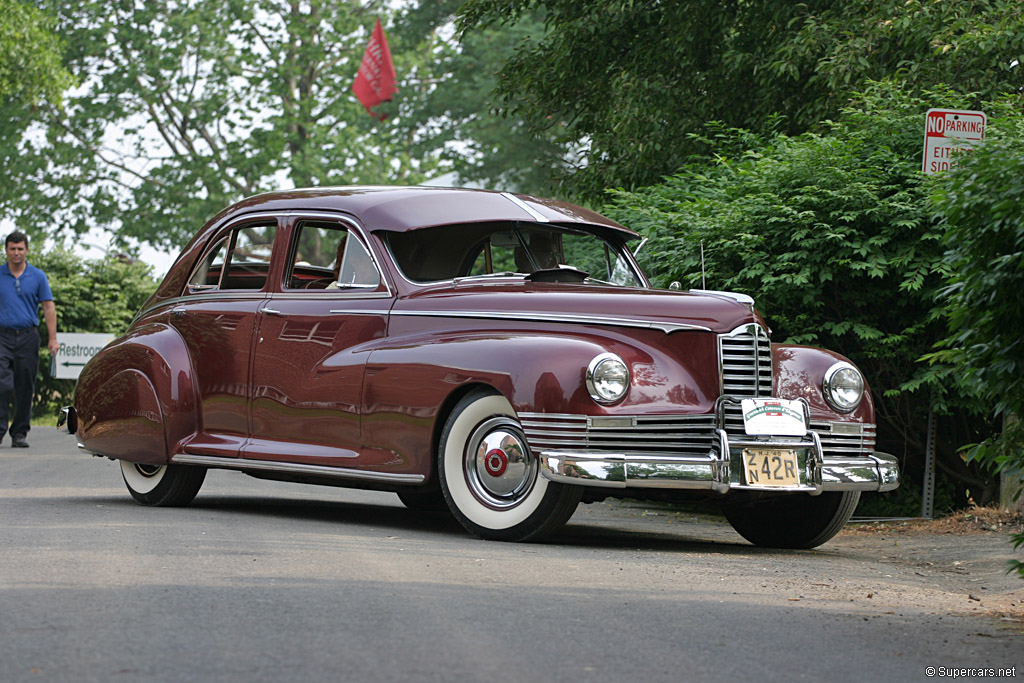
{"x":162,"y":485}
{"x":793,"y":521}
{"x":491,"y":479}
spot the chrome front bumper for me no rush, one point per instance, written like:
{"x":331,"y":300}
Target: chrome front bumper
{"x":720,"y":473}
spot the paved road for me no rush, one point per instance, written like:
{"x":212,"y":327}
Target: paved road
{"x":266,"y":581}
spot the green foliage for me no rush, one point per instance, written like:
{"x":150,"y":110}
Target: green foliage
{"x":455,"y":116}
{"x":187,"y":107}
{"x":981,"y":206}
{"x":30,"y":64}
{"x":834,"y":235}
{"x":90,"y":296}
{"x":628,"y":81}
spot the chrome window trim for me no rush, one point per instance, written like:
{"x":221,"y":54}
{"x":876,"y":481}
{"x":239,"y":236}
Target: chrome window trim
{"x":667,"y":328}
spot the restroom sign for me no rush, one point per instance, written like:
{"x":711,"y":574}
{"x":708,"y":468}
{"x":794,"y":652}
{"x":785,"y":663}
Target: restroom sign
{"x":76,"y":349}
{"x":948,"y":133}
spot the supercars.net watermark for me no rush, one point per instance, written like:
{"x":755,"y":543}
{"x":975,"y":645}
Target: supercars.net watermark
{"x":970,"y":672}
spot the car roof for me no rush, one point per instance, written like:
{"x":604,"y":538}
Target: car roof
{"x":407,"y":208}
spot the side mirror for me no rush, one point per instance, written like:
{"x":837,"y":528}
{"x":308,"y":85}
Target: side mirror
{"x":675,"y":286}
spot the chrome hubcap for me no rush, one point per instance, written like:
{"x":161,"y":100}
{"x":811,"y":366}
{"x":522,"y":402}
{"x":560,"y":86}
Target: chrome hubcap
{"x":147,"y":470}
{"x":499,"y":467}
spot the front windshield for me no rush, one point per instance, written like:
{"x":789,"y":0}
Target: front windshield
{"x":506,"y":248}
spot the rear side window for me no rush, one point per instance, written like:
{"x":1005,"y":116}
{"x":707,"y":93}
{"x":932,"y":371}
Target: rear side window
{"x":239,"y":259}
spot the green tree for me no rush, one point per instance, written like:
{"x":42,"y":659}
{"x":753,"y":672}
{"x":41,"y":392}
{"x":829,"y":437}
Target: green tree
{"x":627,"y":81}
{"x":981,"y":206}
{"x":30,"y":56}
{"x":481,"y":145}
{"x":189,"y":106}
{"x":834,"y":235}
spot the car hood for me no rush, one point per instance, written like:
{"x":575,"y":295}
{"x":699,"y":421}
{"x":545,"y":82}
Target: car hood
{"x":669,"y":311}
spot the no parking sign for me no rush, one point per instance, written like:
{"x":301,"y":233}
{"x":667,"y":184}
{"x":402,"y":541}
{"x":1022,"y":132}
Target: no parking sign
{"x":949,"y":133}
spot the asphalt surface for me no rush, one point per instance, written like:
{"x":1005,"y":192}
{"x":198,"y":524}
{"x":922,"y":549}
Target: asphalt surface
{"x":267,"y":581}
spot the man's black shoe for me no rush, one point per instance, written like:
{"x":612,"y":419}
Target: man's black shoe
{"x":18,"y":442}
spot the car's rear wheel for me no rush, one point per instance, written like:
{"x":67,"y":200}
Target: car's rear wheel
{"x":491,"y":479}
{"x":793,"y":521}
{"x":162,"y":485}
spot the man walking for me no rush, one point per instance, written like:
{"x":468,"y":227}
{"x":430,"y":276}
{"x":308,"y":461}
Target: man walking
{"x":22,"y":289}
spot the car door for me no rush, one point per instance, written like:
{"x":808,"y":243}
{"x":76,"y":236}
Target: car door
{"x":315,"y":332}
{"x":216,"y":318}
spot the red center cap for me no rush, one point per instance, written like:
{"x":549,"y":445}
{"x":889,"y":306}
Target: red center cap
{"x":496,"y":462}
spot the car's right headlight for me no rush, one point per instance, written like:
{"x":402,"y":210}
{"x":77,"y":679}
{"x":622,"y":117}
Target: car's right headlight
{"x":607,"y":378}
{"x":843,"y":387}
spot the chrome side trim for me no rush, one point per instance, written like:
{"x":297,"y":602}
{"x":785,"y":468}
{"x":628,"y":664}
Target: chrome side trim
{"x":667,"y":328}
{"x":525,"y":207}
{"x":296,"y":468}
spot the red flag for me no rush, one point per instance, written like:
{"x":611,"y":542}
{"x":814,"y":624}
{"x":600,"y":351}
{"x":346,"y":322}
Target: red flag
{"x":375,"y":82}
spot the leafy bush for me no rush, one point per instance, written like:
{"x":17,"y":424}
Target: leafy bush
{"x":835,"y":237}
{"x":90,"y":296}
{"x":982,"y":208}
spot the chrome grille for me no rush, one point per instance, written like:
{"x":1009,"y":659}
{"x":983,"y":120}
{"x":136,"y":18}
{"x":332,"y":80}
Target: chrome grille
{"x":745,"y":359}
{"x":845,"y":438}
{"x":637,"y":434}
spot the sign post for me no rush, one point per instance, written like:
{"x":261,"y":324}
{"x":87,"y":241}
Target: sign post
{"x":947,"y":134}
{"x":75,"y":351}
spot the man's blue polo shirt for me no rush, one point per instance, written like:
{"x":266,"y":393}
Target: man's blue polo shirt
{"x":19,"y":299}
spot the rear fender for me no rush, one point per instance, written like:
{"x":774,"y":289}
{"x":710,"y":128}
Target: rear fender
{"x":130,"y":404}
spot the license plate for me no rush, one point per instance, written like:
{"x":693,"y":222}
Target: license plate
{"x":770,"y":467}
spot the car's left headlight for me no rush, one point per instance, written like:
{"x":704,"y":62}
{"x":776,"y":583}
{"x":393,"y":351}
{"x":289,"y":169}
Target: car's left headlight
{"x":843,"y":387}
{"x":607,"y":378}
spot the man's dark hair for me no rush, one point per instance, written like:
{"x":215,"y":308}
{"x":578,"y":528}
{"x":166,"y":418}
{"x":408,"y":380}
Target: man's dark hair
{"x":17,"y":237}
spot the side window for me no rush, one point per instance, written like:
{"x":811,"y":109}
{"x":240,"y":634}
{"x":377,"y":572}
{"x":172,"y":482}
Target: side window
{"x":326,"y":256}
{"x":207,"y":275}
{"x":239,"y":260}
{"x":248,"y":263}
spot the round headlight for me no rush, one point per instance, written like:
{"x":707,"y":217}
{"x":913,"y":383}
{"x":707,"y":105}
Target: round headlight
{"x":843,"y":387}
{"x":607,"y":378}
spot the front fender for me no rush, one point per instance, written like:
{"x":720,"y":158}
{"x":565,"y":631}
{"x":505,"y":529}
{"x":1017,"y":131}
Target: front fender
{"x":409,"y":379}
{"x":799,"y":373}
{"x":136,"y":399}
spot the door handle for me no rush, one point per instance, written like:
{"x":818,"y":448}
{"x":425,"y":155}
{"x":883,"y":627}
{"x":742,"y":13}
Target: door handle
{"x":179,"y":312}
{"x":271,"y":311}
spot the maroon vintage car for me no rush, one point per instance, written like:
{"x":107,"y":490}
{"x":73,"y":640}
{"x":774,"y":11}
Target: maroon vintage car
{"x":497,"y":355}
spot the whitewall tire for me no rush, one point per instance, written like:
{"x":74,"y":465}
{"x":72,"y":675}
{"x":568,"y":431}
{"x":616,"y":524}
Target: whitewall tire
{"x":491,"y":479}
{"x":162,"y":485}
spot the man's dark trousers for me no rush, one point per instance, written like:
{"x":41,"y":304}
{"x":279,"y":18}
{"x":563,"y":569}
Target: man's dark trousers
{"x":19,"y":363}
